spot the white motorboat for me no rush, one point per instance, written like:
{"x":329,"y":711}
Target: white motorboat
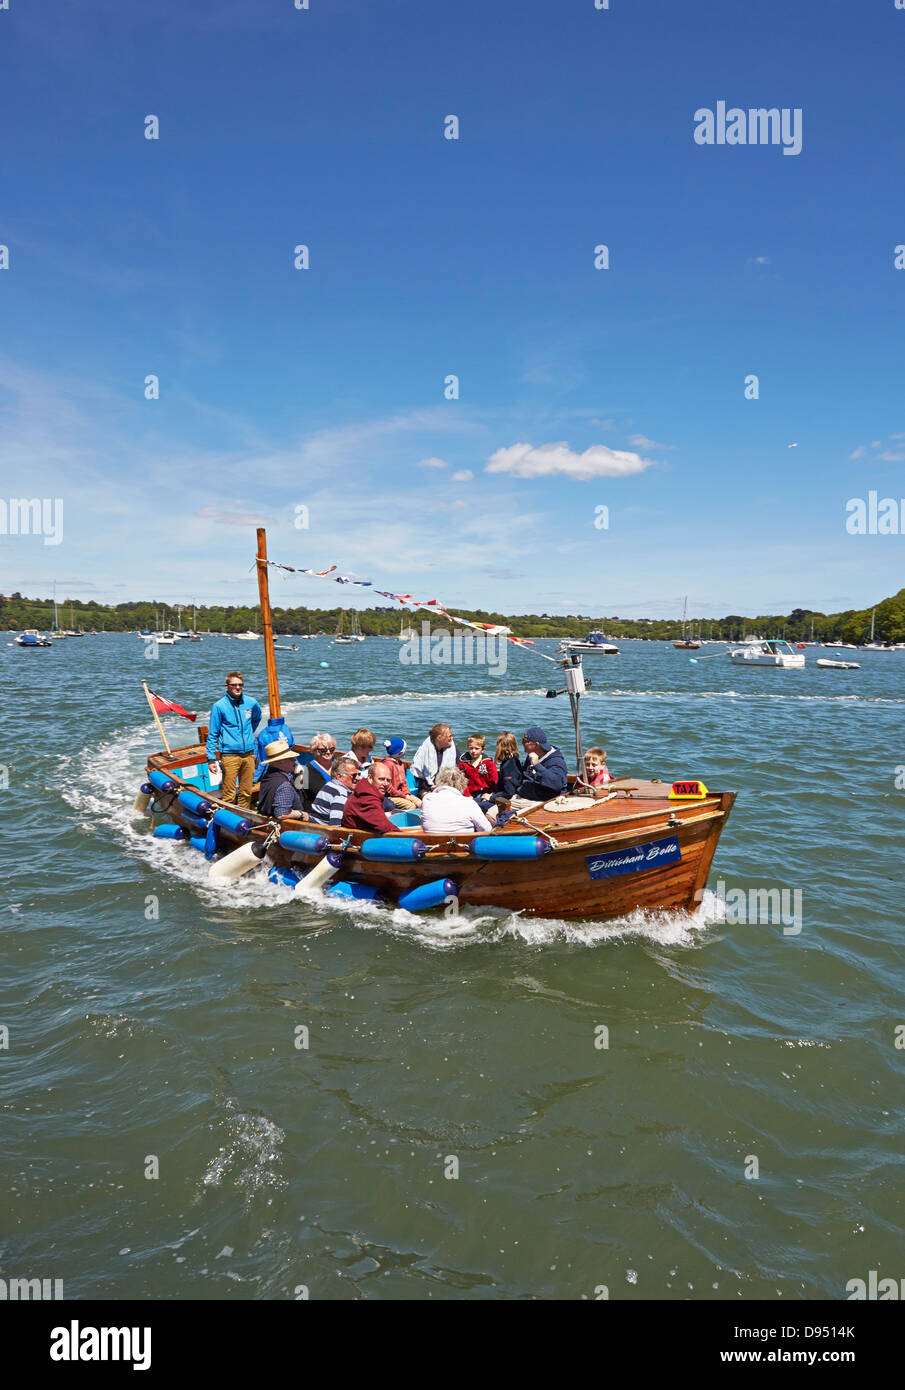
{"x":825,"y":665}
{"x":31,"y":637}
{"x":594,"y":643}
{"x":248,"y":636}
{"x":769,"y":653}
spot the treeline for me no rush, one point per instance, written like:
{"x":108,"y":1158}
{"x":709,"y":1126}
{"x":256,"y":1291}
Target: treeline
{"x":17,"y":612}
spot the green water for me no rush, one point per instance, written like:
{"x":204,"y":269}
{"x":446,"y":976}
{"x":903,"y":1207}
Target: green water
{"x":150,"y":1015}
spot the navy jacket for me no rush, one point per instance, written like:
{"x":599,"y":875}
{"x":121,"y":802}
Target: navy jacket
{"x":510,"y":777}
{"x":276,"y":794}
{"x":547,"y":778}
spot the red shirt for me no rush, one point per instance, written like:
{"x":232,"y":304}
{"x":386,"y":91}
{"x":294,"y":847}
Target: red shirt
{"x":364,"y":809}
{"x":398,"y":785}
{"x":480,"y":778}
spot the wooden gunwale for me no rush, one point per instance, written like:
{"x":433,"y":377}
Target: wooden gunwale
{"x":556,"y":885}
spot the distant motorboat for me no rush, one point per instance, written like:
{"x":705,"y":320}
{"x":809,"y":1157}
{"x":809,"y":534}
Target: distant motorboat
{"x":31,"y":637}
{"x":247,"y":636}
{"x":768,"y":653}
{"x":595,"y":642}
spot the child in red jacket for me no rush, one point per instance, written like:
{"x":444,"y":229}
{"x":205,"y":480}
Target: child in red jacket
{"x":480,"y":772}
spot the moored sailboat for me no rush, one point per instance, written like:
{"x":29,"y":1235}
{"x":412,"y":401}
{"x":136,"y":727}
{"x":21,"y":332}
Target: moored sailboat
{"x":687,"y":644}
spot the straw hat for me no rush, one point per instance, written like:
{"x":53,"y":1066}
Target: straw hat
{"x":278,"y":752}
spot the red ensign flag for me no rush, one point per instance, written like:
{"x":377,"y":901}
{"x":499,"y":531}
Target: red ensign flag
{"x":162,"y":706}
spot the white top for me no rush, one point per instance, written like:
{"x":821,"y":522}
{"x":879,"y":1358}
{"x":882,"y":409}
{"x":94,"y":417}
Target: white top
{"x":447,"y":811}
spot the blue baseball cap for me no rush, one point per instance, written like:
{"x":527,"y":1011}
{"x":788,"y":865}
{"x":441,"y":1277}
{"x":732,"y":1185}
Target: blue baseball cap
{"x":538,"y":735}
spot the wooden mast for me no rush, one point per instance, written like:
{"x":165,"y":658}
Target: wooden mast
{"x":273,"y":689}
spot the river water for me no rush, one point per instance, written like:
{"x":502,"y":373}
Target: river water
{"x":153,"y":1020}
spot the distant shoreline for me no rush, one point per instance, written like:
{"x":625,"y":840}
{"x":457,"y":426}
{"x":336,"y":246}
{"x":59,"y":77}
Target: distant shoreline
{"x":17,"y":613}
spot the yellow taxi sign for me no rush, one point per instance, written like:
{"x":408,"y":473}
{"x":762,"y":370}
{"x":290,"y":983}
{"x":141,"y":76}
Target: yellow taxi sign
{"x":687,"y":791}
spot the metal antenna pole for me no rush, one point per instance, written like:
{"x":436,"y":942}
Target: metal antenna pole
{"x":574,"y":688}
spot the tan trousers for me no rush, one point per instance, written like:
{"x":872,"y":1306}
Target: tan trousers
{"x":238,"y":767}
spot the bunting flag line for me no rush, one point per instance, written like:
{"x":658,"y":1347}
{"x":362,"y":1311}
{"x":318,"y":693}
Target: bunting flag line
{"x":432,"y":604}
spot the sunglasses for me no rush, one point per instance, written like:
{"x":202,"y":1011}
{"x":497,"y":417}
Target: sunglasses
{"x":235,"y":685}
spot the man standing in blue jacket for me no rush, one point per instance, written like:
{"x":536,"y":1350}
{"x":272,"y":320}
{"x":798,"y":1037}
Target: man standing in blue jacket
{"x":231,"y":740}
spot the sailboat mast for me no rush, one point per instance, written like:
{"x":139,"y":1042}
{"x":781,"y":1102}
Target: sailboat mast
{"x":273,"y":689}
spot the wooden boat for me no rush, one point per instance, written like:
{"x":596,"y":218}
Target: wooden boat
{"x":629,"y":845}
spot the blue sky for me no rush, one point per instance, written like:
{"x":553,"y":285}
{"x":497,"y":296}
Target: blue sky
{"x":474,"y":257}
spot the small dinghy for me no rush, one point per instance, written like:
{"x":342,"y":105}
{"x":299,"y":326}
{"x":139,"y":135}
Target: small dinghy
{"x":825,"y":664}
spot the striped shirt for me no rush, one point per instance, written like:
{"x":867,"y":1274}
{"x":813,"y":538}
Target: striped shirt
{"x":330,"y":803}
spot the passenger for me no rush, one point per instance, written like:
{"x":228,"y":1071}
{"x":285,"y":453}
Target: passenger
{"x":330,"y":802}
{"x":231,"y":741}
{"x":276,"y":794}
{"x":400,"y":794}
{"x":510,"y":775}
{"x":596,"y":772}
{"x":364,"y":808}
{"x":480,"y":772}
{"x":448,"y":810}
{"x":436,"y":752}
{"x":546,"y":774}
{"x":361,"y":748}
{"x":315,"y":774}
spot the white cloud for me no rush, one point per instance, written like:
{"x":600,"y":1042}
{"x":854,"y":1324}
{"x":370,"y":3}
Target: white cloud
{"x":890,"y":452}
{"x":235,"y":518}
{"x":641,"y":441}
{"x":463,"y":475}
{"x":526,"y":461}
{"x":432,"y":463}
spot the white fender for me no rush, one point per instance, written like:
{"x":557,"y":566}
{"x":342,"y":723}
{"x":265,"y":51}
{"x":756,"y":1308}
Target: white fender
{"x":140,"y":804}
{"x":322,"y":872}
{"x":234,"y":865}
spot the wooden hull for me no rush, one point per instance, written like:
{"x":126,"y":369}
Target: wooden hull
{"x":590,"y":872}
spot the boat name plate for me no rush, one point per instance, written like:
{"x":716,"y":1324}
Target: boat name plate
{"x":630,"y":861}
